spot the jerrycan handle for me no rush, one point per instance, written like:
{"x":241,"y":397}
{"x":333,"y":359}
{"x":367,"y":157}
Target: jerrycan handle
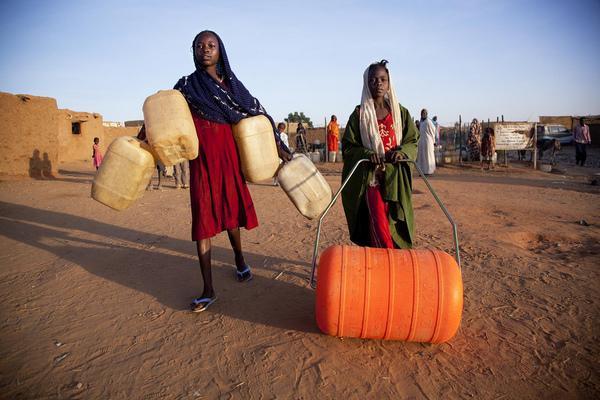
{"x":337,"y":194}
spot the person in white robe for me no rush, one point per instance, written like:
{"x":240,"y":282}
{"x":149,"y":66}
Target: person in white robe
{"x":426,"y":153}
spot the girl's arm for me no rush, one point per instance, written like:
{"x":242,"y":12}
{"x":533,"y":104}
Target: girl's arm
{"x":352,"y":147}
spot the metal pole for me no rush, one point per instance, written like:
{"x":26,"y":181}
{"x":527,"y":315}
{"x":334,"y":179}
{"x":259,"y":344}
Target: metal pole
{"x":326,"y":143}
{"x":331,"y":203}
{"x":460,"y":140}
{"x":287,"y":128}
{"x":535,"y":146}
{"x":505,"y":151}
{"x":337,"y":194}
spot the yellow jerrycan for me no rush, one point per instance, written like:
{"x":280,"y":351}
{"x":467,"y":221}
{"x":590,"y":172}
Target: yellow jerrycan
{"x":255,"y":142}
{"x":124,"y":173}
{"x":305,"y":186}
{"x":170,"y":128}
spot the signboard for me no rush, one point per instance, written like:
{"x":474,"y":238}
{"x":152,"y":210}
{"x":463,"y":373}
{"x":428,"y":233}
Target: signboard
{"x":514,"y":135}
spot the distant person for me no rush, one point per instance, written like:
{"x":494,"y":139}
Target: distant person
{"x":581,"y":135}
{"x":333,"y":137}
{"x":284,"y":139}
{"x":282,"y":135}
{"x":377,"y":199}
{"x":161,"y":172}
{"x":96,"y":153}
{"x":181,"y":173}
{"x":301,"y":146}
{"x":426,"y":154}
{"x":417,"y":123}
{"x":474,"y":140}
{"x":437,"y":130}
{"x":550,"y":144}
{"x":488,"y":148}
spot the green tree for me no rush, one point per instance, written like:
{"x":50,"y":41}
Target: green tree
{"x":299,"y":117}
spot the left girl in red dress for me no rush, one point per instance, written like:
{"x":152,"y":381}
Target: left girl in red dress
{"x":220,"y":198}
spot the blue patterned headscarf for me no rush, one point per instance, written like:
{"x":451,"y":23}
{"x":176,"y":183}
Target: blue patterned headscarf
{"x":227,"y":105}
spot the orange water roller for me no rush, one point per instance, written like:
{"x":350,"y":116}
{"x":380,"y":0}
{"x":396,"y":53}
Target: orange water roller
{"x":412,"y":295}
{"x":396,"y":294}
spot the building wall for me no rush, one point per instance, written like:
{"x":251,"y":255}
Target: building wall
{"x":562,"y":120}
{"x":77,"y":147}
{"x":28,"y":140}
{"x":312,"y":136}
{"x":112,"y":124}
{"x":135,"y":123}
{"x":111,"y":134}
{"x":316,"y":134}
{"x":35,"y":136}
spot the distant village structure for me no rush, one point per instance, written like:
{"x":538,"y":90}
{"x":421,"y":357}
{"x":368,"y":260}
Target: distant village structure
{"x":36,"y":136}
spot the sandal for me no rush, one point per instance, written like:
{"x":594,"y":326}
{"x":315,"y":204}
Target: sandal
{"x":201,"y":303}
{"x":245,"y":275}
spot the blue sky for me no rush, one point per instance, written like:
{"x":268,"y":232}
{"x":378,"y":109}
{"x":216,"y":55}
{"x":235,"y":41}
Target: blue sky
{"x":478,"y":58}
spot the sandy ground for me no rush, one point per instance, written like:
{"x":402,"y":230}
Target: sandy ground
{"x":94,"y":302}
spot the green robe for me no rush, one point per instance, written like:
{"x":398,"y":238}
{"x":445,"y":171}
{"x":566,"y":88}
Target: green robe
{"x":398,"y":184}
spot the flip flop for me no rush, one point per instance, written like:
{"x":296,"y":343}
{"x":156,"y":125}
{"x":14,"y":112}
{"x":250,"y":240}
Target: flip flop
{"x":245,"y":275}
{"x":201,"y":303}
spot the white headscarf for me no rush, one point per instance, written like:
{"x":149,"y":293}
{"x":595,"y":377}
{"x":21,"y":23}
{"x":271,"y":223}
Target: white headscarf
{"x":369,"y":128}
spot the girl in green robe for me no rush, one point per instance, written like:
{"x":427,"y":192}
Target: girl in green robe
{"x":379,"y":192}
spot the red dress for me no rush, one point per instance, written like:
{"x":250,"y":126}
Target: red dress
{"x":219,"y":195}
{"x":379,"y":227}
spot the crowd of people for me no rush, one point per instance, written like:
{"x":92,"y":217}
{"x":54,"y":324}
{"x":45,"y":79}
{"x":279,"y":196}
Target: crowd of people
{"x":481,"y":144}
{"x":481,"y":147}
{"x":429,"y":134}
{"x":179,"y":172}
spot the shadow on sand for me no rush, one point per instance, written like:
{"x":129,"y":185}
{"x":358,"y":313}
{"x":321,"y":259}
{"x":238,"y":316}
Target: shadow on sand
{"x":76,"y":176}
{"x":500,"y":177}
{"x":163,"y":267}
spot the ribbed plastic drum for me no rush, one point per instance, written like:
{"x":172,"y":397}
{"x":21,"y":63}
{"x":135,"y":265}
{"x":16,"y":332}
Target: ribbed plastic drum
{"x":412,"y":295}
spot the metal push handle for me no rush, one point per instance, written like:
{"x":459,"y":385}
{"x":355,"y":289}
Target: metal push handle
{"x":337,"y":194}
